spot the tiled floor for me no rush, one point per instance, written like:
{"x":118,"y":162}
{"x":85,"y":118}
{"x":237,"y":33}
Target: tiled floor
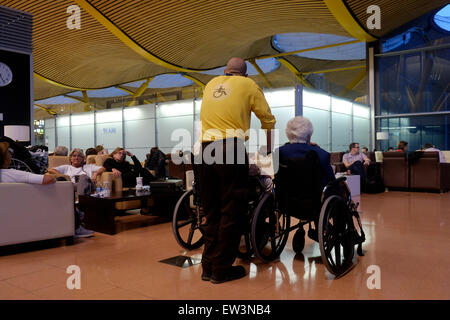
{"x":408,"y":237}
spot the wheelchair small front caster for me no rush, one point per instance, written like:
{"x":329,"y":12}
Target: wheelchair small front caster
{"x":298,"y":242}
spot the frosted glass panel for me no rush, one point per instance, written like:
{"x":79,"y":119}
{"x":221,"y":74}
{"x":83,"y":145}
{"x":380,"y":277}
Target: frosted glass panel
{"x":321,"y":122}
{"x":49,"y":128}
{"x":49,"y":123}
{"x":109,"y":116}
{"x":340,"y":132}
{"x":139,"y":113}
{"x":282,"y":115}
{"x":82,"y":119}
{"x":361,"y":131}
{"x":63,"y":135}
{"x":173,"y":109}
{"x":280,"y":97}
{"x":140,"y":133}
{"x":167,"y":126}
{"x":83,"y":136}
{"x":360,"y":110}
{"x":109,"y":135}
{"x":198,"y":105}
{"x":140,"y":153}
{"x":63,"y":121}
{"x":341,"y":106}
{"x":316,"y":100}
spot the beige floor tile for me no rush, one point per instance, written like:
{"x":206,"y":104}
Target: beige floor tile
{"x":408,"y":237}
{"x":40,"y":279}
{"x":10,"y":292}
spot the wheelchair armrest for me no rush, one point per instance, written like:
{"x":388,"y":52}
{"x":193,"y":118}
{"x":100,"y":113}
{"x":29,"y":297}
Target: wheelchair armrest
{"x":336,"y":182}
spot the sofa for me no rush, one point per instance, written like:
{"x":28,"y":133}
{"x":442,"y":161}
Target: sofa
{"x":31,"y":212}
{"x":395,"y":170}
{"x":336,"y":161}
{"x":428,"y":173}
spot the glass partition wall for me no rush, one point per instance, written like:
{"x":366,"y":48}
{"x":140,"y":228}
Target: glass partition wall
{"x":175,"y":125}
{"x":413,"y":83}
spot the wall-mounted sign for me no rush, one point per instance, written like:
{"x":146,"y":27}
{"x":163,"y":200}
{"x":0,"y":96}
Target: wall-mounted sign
{"x":109,"y":131}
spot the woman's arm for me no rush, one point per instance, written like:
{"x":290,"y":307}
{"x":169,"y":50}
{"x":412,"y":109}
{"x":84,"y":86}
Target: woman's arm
{"x":98,"y":173}
{"x":137,"y":164}
{"x":48,"y":179}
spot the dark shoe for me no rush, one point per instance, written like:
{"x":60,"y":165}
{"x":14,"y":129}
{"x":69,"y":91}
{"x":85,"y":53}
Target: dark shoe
{"x":206,"y":274}
{"x":233,"y":273}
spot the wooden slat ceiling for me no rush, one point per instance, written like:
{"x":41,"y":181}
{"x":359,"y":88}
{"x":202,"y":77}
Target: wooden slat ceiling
{"x":195,"y":34}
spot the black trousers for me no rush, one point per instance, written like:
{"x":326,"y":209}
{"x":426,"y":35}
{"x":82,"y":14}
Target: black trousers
{"x":223,"y":191}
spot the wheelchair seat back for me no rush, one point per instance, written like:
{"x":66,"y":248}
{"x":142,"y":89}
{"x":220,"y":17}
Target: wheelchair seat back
{"x":298,"y":186}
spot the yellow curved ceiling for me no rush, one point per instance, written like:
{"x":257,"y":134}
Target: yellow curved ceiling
{"x":125,"y":41}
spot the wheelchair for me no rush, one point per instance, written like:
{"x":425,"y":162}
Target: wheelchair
{"x":298,"y":194}
{"x":188,"y":216}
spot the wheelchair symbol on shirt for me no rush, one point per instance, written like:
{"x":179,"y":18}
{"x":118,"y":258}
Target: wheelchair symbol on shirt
{"x":219,"y":92}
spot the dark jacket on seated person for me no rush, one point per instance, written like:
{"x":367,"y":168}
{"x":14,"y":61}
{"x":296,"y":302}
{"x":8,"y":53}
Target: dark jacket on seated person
{"x":299,"y":150}
{"x":129,"y":172}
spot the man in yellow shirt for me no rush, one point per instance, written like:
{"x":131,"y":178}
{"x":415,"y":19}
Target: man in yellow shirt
{"x":225,"y":118}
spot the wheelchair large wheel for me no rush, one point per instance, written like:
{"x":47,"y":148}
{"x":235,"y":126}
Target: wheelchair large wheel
{"x":186,"y":223}
{"x":335,"y":236}
{"x":270,"y":229}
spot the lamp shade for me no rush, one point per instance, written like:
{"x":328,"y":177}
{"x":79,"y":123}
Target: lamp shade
{"x":382,"y":135}
{"x":18,"y":133}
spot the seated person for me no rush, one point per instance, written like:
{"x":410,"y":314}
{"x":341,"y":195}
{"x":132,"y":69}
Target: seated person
{"x":77,"y":170}
{"x":402,"y":146}
{"x":299,"y":131}
{"x":156,"y":161}
{"x":119,"y":167}
{"x":60,"y":151}
{"x":77,"y":167}
{"x":365,"y":150}
{"x":91,"y":152}
{"x":428,"y":147}
{"x":19,"y":152}
{"x":12,"y":175}
{"x":355,"y":161}
{"x":100,"y":150}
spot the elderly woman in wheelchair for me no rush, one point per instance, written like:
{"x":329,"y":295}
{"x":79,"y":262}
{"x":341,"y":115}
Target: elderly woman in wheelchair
{"x":305,"y":189}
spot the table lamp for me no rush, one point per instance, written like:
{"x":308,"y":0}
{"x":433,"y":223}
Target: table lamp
{"x":17,"y":133}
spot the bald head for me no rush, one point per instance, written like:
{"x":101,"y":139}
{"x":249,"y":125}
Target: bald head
{"x":236,"y":66}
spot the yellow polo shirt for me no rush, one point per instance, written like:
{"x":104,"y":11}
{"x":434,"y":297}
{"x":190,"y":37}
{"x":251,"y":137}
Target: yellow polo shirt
{"x":227,"y":105}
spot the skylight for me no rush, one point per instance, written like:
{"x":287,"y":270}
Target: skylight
{"x":442,"y":18}
{"x":288,"y":42}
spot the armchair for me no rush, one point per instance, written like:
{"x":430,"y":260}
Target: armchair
{"x":395,"y":170}
{"x":428,"y":173}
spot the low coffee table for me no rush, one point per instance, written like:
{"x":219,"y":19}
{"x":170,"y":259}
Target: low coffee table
{"x":101,"y":215}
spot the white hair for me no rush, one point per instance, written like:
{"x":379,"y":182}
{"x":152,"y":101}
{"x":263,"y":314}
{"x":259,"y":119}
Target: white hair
{"x":61,"y":151}
{"x":299,"y":130}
